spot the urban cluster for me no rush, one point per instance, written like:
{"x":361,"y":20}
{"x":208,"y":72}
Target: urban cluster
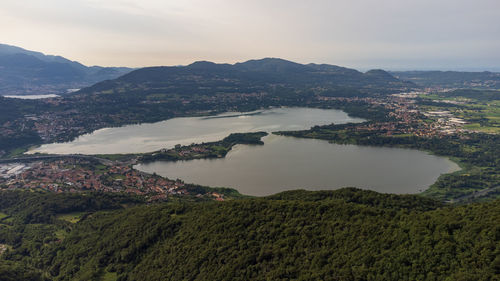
{"x":73,"y":174}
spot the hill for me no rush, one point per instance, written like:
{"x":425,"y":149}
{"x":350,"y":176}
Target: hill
{"x":27,"y":72}
{"x":348,"y":234}
{"x":265,"y":75}
{"x":158,"y":93}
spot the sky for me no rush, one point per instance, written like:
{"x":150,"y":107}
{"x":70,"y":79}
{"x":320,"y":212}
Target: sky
{"x":363,"y":34}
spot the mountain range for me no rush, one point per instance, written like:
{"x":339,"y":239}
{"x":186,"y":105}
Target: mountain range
{"x":24,"y":72}
{"x":253,"y":76}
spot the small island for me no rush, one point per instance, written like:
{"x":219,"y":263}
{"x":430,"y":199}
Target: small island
{"x":217,"y":149}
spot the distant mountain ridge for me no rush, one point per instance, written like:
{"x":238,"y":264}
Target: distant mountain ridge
{"x":251,"y":76}
{"x":27,"y":72}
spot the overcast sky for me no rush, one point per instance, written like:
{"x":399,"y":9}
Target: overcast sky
{"x":389,"y":34}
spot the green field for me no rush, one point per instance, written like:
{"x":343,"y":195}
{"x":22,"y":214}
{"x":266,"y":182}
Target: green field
{"x":17,"y":152}
{"x":482,"y":114}
{"x":5,"y":220}
{"x":118,"y":157}
{"x":110,"y":276}
{"x":73,"y":217}
{"x":3,"y":215}
{"x":484,"y":129}
{"x":60,"y":234}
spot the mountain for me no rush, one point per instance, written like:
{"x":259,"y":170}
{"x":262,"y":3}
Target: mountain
{"x":451,"y":79}
{"x":27,"y":72}
{"x":253,"y":76}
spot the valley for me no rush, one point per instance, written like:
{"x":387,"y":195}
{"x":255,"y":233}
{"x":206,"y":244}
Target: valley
{"x":249,"y":140}
{"x":76,"y":167}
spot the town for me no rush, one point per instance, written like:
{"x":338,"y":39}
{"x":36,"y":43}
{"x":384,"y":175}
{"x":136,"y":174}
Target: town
{"x":76,"y":174}
{"x":407,"y":117}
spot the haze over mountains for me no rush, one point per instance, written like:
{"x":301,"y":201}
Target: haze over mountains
{"x":25,"y":72}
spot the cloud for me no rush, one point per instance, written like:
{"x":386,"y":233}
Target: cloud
{"x":389,"y":33}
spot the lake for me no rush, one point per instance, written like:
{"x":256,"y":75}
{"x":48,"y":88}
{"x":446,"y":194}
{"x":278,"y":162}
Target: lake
{"x":31,"y":97}
{"x":285,"y":163}
{"x":282,"y":163}
{"x":166,"y":134}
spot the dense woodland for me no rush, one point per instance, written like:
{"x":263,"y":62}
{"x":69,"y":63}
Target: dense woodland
{"x":348,"y":234}
{"x":29,"y":224}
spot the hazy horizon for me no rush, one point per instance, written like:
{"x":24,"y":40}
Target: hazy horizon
{"x":362,"y":69}
{"x":387,"y":34}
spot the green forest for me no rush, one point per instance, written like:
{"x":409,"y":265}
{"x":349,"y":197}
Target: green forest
{"x":348,"y":234}
{"x":217,"y":149}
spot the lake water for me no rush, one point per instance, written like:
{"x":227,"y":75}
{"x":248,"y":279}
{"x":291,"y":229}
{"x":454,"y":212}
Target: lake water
{"x":31,"y":97}
{"x":282,"y":163}
{"x":285,"y":163}
{"x":166,"y":134}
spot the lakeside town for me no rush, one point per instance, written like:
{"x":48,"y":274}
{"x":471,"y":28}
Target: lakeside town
{"x":75,"y":174}
{"x":408,"y":117}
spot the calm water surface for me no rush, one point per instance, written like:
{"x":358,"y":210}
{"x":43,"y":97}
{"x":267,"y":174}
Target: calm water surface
{"x":31,"y":97}
{"x":166,"y":134}
{"x":285,"y":163}
{"x":282,"y":163}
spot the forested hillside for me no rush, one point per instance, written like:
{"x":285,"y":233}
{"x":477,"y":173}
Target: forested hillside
{"x":347,"y":234}
{"x":24,"y":72}
{"x":271,"y":75}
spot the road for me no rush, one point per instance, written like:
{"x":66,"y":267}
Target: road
{"x":49,"y":157}
{"x":477,"y":194}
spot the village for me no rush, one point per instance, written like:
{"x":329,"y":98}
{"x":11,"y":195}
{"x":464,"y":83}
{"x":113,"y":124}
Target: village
{"x":408,"y":117}
{"x":73,"y":174}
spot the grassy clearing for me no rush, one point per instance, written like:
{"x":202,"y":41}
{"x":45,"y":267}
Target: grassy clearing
{"x":100,"y":169}
{"x":3,"y":216}
{"x":17,"y":152}
{"x":5,"y":220}
{"x":71,"y":217}
{"x":109,"y":276}
{"x":118,"y":157}
{"x":60,"y":234}
{"x":484,"y":129}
